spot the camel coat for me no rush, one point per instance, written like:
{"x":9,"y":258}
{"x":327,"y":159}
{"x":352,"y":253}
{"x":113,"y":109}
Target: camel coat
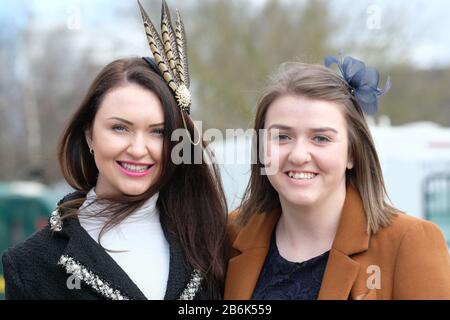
{"x":407,"y":260}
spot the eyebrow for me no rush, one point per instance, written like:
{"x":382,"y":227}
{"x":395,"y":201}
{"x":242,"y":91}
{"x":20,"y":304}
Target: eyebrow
{"x":284,"y":127}
{"x":279,"y":126}
{"x":324,"y":129}
{"x":131,"y":123}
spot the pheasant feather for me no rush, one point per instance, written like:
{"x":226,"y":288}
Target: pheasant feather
{"x":170,"y":53}
{"x":169,"y":41}
{"x":157,"y":48}
{"x":182,"y":67}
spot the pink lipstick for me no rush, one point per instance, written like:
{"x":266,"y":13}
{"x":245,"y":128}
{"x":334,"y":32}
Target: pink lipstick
{"x":134,"y":169}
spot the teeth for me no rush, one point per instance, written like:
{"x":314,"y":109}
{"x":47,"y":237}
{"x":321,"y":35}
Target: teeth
{"x":134,"y":168}
{"x":301,"y":175}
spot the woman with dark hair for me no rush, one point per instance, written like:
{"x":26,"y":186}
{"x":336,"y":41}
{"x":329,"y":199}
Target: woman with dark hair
{"x":139,"y":226}
{"x":316,"y":224}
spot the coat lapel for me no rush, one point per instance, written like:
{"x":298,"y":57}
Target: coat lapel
{"x":179,"y":272}
{"x":340,"y":274}
{"x":88,"y":254}
{"x":253,"y":243}
{"x":351,"y":238}
{"x":83,"y":253}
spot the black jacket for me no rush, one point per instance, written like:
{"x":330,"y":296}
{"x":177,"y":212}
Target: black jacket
{"x":40,"y":268}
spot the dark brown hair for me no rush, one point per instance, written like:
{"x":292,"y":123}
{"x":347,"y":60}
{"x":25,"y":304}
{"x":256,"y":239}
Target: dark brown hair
{"x":191,"y":199}
{"x":320,"y":83}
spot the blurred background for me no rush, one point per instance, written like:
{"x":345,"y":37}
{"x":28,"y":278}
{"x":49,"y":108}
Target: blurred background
{"x":50,"y":51}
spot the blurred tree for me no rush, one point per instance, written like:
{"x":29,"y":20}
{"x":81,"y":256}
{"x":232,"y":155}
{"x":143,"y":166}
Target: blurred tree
{"x":12,"y":131}
{"x":59,"y":80}
{"x":233,"y":47}
{"x":46,"y":83}
{"x":418,"y":95}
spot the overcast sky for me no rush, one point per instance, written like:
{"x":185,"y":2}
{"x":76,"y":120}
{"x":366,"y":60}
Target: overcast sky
{"x":427,"y":29}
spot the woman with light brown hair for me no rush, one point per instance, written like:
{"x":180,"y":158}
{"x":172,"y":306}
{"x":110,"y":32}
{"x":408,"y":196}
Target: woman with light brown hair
{"x":316,"y":224}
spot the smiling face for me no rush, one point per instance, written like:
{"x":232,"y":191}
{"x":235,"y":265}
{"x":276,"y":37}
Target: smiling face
{"x":308,"y":147}
{"x":127,"y":140}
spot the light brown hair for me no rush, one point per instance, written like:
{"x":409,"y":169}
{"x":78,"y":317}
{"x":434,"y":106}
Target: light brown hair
{"x":320,"y":83}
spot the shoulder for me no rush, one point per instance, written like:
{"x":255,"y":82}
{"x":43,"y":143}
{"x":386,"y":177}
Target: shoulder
{"x":39,"y":247}
{"x":36,"y":241}
{"x":411,"y":239}
{"x":233,"y":227}
{"x":403,"y":225}
{"x":255,"y":232}
{"x":31,"y":265}
{"x":419,"y":232}
{"x":231,"y":223}
{"x":422,"y":260}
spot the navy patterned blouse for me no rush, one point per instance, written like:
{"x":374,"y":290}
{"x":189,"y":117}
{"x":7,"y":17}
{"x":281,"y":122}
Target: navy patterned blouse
{"x":286,"y":280}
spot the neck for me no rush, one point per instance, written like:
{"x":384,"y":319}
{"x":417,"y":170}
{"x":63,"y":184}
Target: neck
{"x":148,"y":210}
{"x":307,"y":231}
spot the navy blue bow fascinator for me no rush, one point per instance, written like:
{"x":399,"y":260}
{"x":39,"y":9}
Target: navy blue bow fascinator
{"x":362,"y":80}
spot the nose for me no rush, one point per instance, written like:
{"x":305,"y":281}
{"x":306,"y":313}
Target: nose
{"x":300,"y":153}
{"x":138,"y":147}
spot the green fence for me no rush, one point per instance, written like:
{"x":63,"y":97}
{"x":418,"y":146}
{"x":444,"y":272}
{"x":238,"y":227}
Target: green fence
{"x":24,"y":209}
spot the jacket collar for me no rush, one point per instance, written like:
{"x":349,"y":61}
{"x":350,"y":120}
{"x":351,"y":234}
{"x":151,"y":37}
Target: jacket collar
{"x":85,"y":254}
{"x":253,"y":242}
{"x":88,"y":254}
{"x":351,"y":238}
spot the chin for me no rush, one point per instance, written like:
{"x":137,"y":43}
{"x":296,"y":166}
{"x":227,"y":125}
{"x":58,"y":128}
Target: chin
{"x":300,"y":201}
{"x":135,"y":191}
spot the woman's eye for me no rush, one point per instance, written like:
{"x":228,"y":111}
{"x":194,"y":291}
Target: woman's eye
{"x":321,"y":139}
{"x":157,"y":131}
{"x":119,"y":128}
{"x":281,"y":137}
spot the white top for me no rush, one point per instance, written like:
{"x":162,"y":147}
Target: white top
{"x":146,"y":257}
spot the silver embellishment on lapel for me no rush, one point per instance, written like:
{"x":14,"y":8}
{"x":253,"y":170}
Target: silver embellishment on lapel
{"x":82,"y":273}
{"x":192,"y":287}
{"x":55,"y":221}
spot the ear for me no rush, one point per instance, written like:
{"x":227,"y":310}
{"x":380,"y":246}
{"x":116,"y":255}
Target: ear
{"x":350,"y":163}
{"x":88,"y":136}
